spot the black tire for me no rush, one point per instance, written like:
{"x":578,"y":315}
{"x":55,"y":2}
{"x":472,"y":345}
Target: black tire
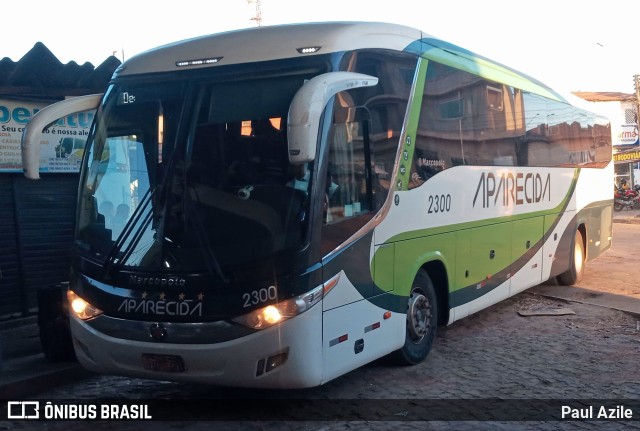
{"x":617,"y":207}
{"x":577,"y":262}
{"x":55,"y":339}
{"x":422,"y":321}
{"x":53,"y":324}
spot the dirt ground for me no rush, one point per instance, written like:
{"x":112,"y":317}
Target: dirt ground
{"x":617,"y":271}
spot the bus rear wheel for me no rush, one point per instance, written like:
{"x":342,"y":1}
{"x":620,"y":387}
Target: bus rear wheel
{"x":422,"y":320}
{"x":577,"y":259}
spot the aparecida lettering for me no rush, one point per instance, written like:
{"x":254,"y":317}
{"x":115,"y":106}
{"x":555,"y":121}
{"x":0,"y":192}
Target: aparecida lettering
{"x":161,"y":308}
{"x":512,"y":188}
{"x":157,"y":281}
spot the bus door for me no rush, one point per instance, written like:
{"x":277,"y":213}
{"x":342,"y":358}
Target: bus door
{"x":354,"y":331}
{"x":357,"y":183}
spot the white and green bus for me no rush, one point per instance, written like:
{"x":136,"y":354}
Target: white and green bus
{"x":300,"y":200}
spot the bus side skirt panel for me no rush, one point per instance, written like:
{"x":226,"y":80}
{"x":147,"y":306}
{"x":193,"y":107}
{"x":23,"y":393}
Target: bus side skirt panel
{"x":357,"y":333}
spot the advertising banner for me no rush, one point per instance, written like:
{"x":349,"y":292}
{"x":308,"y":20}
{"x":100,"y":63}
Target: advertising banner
{"x":626,"y":135}
{"x":62,"y":143}
{"x":627,"y":157}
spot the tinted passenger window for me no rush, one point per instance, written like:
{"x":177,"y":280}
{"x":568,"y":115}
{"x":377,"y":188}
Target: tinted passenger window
{"x":468,"y":120}
{"x":558,"y":134}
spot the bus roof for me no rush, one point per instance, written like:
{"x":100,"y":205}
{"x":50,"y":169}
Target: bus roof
{"x":270,"y":43}
{"x":287,"y":41}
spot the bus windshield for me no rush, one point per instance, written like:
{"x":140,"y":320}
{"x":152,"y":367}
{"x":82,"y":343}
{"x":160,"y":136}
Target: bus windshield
{"x":192,"y":177}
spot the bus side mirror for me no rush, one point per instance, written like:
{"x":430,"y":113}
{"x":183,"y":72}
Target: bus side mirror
{"x":303,"y":121}
{"x":30,"y":144}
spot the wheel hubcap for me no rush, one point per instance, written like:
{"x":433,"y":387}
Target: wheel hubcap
{"x":418,"y":316}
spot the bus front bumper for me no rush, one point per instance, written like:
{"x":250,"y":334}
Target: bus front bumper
{"x":286,"y":355}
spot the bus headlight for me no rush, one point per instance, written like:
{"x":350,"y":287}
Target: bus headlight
{"x":265,"y":317}
{"x":81,"y":308}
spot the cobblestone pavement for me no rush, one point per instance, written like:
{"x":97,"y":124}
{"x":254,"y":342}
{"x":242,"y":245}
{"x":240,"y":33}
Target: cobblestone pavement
{"x":496,"y":353}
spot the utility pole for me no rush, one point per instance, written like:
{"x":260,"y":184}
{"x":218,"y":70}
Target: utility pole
{"x":636,"y":83}
{"x":258,"y":16}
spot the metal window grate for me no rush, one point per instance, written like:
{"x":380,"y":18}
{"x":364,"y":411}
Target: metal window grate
{"x":630,"y":115}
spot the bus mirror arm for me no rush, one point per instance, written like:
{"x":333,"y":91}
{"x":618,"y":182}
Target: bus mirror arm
{"x":30,"y":144}
{"x":303,"y":121}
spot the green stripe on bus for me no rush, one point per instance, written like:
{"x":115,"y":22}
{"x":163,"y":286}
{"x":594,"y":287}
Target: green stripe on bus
{"x":411,"y":128}
{"x":414,"y":249}
{"x":489,"y":71}
{"x":460,"y":58}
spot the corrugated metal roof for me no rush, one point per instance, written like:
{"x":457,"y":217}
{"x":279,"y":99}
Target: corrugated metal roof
{"x":39,"y":74}
{"x":605,"y":96}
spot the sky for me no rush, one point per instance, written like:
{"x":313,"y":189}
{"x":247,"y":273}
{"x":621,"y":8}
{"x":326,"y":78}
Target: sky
{"x":571,"y":45}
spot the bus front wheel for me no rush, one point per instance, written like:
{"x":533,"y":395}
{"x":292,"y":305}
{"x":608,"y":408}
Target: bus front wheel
{"x":422,"y":320}
{"x":577,"y":259}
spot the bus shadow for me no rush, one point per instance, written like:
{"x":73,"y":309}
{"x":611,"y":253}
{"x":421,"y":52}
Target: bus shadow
{"x":626,"y":303}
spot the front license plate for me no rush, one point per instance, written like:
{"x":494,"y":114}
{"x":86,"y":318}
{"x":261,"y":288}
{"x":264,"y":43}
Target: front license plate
{"x":163,"y":363}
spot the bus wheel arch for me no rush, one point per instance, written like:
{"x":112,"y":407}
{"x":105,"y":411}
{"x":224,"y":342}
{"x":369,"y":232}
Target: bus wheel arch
{"x":426,"y":309}
{"x":438,"y":274}
{"x":577,"y":258}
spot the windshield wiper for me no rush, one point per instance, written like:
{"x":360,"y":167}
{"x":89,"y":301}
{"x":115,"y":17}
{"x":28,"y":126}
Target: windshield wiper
{"x":160,"y":191}
{"x":127,"y":229}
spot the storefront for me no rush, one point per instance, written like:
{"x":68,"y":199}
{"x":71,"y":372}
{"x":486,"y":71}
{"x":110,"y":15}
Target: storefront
{"x":627,"y":166}
{"x":621,"y":109}
{"x":37,"y":217}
